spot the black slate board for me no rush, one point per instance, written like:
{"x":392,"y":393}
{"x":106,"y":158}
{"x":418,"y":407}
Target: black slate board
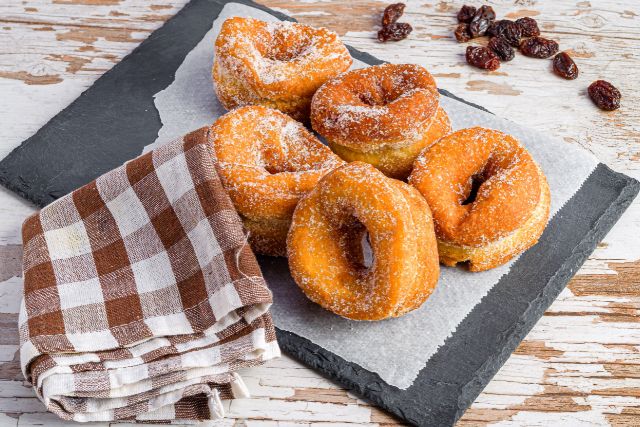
{"x":112,"y":121}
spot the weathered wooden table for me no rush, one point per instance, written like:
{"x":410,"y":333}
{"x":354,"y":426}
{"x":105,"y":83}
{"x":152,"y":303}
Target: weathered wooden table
{"x":581,"y":363}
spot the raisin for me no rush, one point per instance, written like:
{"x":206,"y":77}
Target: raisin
{"x":466,"y":13}
{"x":462,"y":33}
{"x":492,"y":31}
{"x":506,"y":29}
{"x":395,"y":32}
{"x":483,"y":18}
{"x":502,"y":48}
{"x":538,"y":47}
{"x":482,"y":57}
{"x":564,"y":66}
{"x":528,"y":27}
{"x":604,"y":95}
{"x":392,"y":13}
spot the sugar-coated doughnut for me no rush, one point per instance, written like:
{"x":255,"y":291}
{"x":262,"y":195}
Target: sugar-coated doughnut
{"x":275,"y":64}
{"x":383,"y":115}
{"x":267,"y":161}
{"x":325,"y":247}
{"x":489,"y":198}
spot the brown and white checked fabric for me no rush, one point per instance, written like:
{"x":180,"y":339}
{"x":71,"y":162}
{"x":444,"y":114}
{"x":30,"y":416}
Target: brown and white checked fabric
{"x":141,"y":295}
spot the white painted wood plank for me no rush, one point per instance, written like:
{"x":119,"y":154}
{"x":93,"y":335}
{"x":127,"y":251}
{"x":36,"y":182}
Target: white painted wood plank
{"x":578,"y":366}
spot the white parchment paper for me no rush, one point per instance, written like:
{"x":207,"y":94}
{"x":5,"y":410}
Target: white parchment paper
{"x":395,"y":349}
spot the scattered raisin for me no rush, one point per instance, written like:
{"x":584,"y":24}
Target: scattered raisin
{"x":395,"y":32}
{"x":483,"y":18}
{"x":392,"y":13}
{"x":466,"y":13}
{"x":502,"y":48}
{"x":482,"y":57}
{"x":492,"y":31}
{"x":528,"y":26}
{"x":564,"y":66}
{"x":462,"y":33}
{"x":506,"y":29}
{"x":538,"y":47}
{"x":604,"y":95}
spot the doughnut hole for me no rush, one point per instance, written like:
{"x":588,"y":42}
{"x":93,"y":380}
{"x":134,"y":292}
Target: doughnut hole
{"x":383,"y":89}
{"x":285,"y":45}
{"x":473,"y":186}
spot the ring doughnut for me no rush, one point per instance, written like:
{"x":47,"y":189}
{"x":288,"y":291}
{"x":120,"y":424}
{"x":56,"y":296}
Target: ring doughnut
{"x":325,"y":245}
{"x":489,"y":198}
{"x":267,"y":161}
{"x":383,"y":115}
{"x":275,"y":64}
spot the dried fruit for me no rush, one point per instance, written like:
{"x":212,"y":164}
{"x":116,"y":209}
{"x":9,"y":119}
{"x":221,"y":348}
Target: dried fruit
{"x":502,"y":48}
{"x":392,"y":13}
{"x":462,"y":33}
{"x":528,"y":26}
{"x":493,"y":28}
{"x":482,"y":57}
{"x":466,"y":13}
{"x":506,"y":29}
{"x":483,"y":18}
{"x":605,"y":95}
{"x":564,"y":66}
{"x":538,"y":47}
{"x":395,"y":32}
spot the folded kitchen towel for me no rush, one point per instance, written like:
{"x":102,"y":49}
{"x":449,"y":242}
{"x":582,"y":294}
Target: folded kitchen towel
{"x":141,"y":295}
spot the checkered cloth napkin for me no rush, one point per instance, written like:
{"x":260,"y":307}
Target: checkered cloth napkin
{"x":141,"y":295}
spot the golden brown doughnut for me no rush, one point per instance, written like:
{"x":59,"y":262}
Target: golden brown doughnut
{"x":489,"y":198}
{"x":383,"y":115}
{"x":325,"y":245}
{"x":267,"y":161}
{"x":278,"y":65}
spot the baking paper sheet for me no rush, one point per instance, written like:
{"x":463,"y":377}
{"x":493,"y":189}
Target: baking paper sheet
{"x":395,"y":349}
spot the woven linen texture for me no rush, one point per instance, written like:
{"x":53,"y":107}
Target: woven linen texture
{"x":141,"y":295}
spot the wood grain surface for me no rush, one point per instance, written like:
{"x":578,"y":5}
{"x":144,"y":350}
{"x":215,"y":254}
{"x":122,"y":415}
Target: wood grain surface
{"x":581,"y":363}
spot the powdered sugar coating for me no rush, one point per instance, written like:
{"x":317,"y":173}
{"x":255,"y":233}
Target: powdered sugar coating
{"x":267,"y":161}
{"x":396,"y":161}
{"x":277,"y":64}
{"x":325,"y":250}
{"x":512,"y":189}
{"x":383,"y":105}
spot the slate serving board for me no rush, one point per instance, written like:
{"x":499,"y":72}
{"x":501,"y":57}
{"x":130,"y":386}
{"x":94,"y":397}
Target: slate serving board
{"x":112,"y":121}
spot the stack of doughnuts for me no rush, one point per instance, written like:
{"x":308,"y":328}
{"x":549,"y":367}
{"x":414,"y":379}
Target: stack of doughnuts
{"x":393,"y":179}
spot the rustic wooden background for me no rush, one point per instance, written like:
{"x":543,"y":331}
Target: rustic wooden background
{"x":581,"y":363}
